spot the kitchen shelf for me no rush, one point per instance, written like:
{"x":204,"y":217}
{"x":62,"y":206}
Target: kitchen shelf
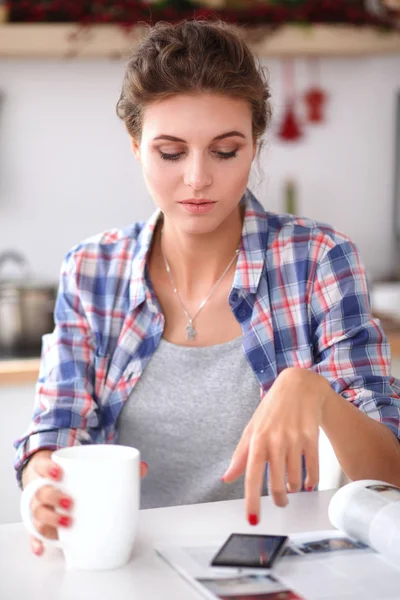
{"x":35,"y":40}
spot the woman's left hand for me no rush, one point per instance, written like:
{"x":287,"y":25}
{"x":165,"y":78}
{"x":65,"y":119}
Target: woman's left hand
{"x":284,"y":427}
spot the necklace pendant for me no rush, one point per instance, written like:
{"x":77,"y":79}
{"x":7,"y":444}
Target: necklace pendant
{"x":190,"y":332}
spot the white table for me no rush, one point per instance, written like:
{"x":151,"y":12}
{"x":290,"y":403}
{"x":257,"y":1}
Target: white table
{"x":24,"y":576}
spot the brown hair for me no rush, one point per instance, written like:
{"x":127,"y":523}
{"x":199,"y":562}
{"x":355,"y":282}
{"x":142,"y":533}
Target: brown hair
{"x":192,"y":57}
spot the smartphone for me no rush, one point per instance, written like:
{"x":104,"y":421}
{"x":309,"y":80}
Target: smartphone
{"x":250,"y":551}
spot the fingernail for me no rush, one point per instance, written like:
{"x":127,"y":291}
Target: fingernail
{"x":37,"y":549}
{"x":64,"y":521}
{"x":65,"y":503}
{"x":54,"y":473}
{"x":253,"y":519}
{"x":310,"y":488}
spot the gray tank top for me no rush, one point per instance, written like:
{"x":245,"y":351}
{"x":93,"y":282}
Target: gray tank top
{"x":186,"y":416}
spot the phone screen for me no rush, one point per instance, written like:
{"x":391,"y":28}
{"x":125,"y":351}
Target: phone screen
{"x":250,"y":550}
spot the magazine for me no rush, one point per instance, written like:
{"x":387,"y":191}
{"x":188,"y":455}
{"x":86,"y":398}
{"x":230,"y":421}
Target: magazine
{"x":361,"y":559}
{"x":369,"y":511}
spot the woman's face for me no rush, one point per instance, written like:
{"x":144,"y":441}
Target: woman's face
{"x":196,"y":152}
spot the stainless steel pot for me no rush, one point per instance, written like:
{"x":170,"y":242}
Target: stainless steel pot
{"x":26,"y":307}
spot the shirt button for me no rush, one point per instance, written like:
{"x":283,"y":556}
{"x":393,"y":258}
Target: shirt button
{"x":242,"y":313}
{"x":234,"y":297}
{"x":260,"y":367}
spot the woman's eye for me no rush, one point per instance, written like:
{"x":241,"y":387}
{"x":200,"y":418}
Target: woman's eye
{"x":218,"y":154}
{"x":174,"y":156}
{"x":226,"y":155}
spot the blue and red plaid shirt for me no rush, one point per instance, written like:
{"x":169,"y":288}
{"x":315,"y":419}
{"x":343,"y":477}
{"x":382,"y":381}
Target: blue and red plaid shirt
{"x":299,"y":294}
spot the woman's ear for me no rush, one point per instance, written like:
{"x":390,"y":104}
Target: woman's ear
{"x":135,"y":149}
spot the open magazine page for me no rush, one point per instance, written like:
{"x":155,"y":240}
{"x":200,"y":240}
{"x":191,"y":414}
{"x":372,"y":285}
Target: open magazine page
{"x":249,"y":587}
{"x":324,"y":565}
{"x":224,"y":583}
{"x":329,"y":565}
{"x":369,"y":511}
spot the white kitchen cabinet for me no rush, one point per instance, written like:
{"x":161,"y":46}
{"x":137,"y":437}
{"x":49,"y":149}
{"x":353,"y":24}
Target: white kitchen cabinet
{"x":16,"y":404}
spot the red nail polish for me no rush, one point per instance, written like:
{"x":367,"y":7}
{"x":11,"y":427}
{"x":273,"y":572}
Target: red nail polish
{"x":253,"y":519}
{"x":65,"y":503}
{"x":54,"y":473}
{"x":37,"y":550}
{"x":310,"y":488}
{"x":64,"y":521}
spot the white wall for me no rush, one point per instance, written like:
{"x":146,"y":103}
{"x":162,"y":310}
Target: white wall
{"x":16,"y":403}
{"x":66,"y":171}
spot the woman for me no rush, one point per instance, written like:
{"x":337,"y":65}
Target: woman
{"x":217,"y":338}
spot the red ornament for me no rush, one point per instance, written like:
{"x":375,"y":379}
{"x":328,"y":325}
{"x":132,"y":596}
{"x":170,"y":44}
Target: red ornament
{"x":267,"y":13}
{"x":289,"y":129}
{"x":315,"y":97}
{"x":315,"y":100}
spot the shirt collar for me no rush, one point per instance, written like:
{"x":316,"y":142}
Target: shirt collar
{"x":138,"y":289}
{"x":253,"y":245}
{"x":251,"y":257}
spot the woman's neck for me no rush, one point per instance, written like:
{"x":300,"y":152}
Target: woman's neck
{"x":197,"y":261}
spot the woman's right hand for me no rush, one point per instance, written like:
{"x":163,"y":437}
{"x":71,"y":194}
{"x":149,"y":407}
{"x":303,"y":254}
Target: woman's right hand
{"x":46,"y":519}
{"x":48,"y":499}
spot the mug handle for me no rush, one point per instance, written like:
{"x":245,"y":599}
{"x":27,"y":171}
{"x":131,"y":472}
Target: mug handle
{"x":26,"y":509}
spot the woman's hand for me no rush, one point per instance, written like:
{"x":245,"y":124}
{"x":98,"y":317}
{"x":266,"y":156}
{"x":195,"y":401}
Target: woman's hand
{"x":284,"y":427}
{"x":46,"y":519}
{"x":48,"y":499}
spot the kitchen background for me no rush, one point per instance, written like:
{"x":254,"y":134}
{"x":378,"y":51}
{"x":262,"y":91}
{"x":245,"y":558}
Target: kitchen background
{"x":67,"y":172}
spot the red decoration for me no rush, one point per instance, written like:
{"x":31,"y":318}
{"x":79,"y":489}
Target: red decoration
{"x":290,"y":129}
{"x":263,"y":14}
{"x":315,"y":97}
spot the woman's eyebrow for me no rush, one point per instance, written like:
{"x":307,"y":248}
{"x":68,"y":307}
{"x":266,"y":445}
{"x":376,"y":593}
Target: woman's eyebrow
{"x":172,"y":138}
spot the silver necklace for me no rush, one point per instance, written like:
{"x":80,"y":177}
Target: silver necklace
{"x":190,"y":330}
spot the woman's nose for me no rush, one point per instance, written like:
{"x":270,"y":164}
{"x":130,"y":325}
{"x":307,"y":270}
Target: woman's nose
{"x":197,"y":174}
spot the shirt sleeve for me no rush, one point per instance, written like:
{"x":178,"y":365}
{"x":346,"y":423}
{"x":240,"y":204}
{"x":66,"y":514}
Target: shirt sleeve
{"x":66,"y":409}
{"x":350,"y":347}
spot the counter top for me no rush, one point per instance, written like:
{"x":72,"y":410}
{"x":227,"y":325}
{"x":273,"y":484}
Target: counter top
{"x":25,"y":370}
{"x":394,"y":340}
{"x":19,"y":371}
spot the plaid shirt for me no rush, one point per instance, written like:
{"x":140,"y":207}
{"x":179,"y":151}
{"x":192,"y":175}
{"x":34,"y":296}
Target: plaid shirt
{"x":299,"y":294}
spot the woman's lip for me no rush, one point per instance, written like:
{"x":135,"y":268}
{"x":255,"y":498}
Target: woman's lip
{"x":198,"y":207}
{"x":197,"y":202}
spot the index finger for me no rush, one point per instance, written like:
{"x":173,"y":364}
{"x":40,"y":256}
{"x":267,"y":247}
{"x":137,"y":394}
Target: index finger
{"x":254,"y":479}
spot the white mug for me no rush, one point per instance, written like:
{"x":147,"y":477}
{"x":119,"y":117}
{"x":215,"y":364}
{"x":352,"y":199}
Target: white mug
{"x":104,"y":483}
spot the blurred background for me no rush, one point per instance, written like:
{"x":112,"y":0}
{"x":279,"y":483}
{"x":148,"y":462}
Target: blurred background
{"x":332,"y":152}
{"x":67,"y":172}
